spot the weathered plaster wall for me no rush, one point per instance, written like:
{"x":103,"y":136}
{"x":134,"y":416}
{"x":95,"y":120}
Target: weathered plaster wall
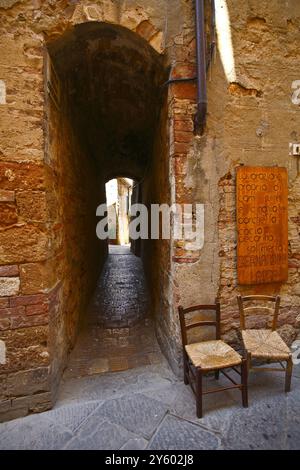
{"x":251,"y":121}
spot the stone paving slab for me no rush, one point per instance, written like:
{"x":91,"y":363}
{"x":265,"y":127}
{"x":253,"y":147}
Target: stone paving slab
{"x":33,"y":433}
{"x":175,"y":433}
{"x":97,"y":434}
{"x":109,"y":386}
{"x":72,"y":416}
{"x":135,"y":444}
{"x":293,"y":434}
{"x":150,"y":408}
{"x":135,"y":412}
{"x":262,"y":426}
{"x":218,"y":409}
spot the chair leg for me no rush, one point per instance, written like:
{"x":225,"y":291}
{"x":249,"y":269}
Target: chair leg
{"x":244,"y":382}
{"x":248,"y":359}
{"x":185,"y":368}
{"x":199,"y":393}
{"x":217,"y":374}
{"x":288,"y":374}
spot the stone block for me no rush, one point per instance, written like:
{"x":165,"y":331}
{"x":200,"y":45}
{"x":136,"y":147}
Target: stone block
{"x":9,"y":286}
{"x":21,"y":359}
{"x":8,"y":214}
{"x":28,"y":382}
{"x":35,"y":403}
{"x":21,"y":176}
{"x":3,"y":382}
{"x":13,"y":414}
{"x":26,"y":338}
{"x":21,"y":407}
{"x":23,"y":243}
{"x":37,"y":277}
{"x":7,"y":196}
{"x":5,"y":405}
{"x":32,"y":206}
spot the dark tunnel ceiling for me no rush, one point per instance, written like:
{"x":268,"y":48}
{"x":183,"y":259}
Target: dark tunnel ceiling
{"x":113,"y":80}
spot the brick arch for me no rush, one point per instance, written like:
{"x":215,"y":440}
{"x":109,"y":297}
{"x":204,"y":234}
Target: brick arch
{"x":135,"y":19}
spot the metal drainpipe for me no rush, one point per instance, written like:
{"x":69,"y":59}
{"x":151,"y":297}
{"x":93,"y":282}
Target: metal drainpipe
{"x":200,"y":118}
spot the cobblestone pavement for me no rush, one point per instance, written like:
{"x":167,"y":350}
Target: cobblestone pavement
{"x":121,"y":298}
{"x":149,"y":408}
{"x":118,"y":334}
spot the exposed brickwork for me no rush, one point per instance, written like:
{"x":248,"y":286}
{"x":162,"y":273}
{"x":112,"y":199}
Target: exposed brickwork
{"x":9,"y":271}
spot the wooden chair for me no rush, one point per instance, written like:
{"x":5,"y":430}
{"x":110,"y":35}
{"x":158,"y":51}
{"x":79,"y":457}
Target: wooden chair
{"x":265,"y":344}
{"x":206,"y":356}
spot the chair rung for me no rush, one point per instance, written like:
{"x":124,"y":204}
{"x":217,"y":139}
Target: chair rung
{"x":267,"y":369}
{"x":215,"y":390}
{"x":236,"y":370}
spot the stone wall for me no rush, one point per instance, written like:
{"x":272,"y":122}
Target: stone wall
{"x":78,"y":256}
{"x":50,"y":257}
{"x":26,"y":272}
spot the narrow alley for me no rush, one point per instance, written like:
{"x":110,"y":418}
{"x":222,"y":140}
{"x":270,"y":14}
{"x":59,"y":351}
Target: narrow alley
{"x":117,"y":333}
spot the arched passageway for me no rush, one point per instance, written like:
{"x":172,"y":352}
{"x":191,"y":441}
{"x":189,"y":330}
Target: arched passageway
{"x":107,"y":117}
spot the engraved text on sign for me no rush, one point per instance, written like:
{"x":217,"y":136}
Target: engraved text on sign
{"x":262,"y":224}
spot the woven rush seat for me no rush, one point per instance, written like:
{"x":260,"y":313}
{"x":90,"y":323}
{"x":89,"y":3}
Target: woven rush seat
{"x":265,"y":344}
{"x":210,"y":355}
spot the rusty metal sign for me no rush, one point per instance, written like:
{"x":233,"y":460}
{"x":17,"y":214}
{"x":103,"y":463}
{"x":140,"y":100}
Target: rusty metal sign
{"x":262,"y":225}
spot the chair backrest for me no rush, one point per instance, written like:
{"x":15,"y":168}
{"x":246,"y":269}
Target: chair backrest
{"x":255,"y":309}
{"x":189,"y":325}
